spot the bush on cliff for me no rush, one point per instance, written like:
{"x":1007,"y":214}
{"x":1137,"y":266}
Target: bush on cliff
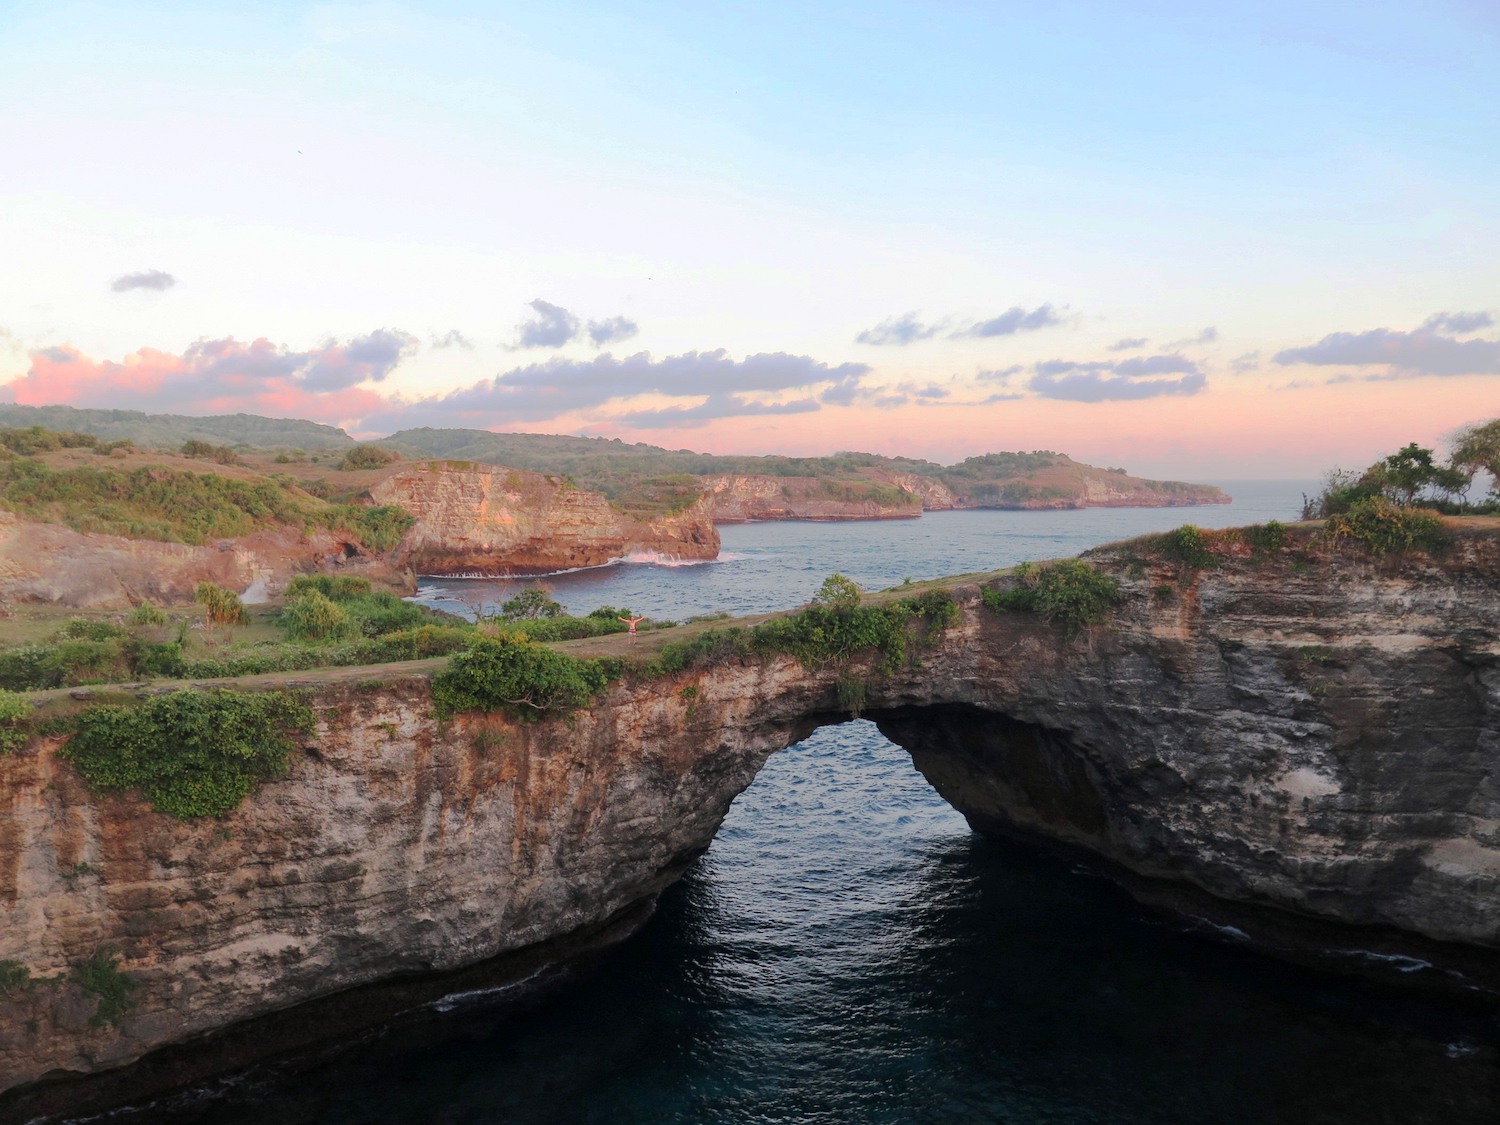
{"x":1381,"y":527}
{"x":190,"y":753}
{"x":832,"y":629}
{"x":378,"y":528}
{"x":1070,"y":593}
{"x":518,"y":676}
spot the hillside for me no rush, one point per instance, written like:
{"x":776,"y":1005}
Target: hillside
{"x":630,"y":474}
{"x":168,"y":431}
{"x":644,"y":480}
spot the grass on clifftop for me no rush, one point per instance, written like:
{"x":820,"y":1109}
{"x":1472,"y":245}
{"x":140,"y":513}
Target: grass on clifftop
{"x":53,"y":481}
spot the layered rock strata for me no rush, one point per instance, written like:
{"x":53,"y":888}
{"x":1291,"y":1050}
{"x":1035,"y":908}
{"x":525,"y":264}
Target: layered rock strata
{"x":475,"y":519}
{"x":1315,"y":734}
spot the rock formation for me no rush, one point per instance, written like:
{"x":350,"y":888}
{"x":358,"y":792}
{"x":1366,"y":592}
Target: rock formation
{"x":475,"y":519}
{"x":1314,"y":733}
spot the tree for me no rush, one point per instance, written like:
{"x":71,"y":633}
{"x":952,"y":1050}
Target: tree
{"x":530,"y":604}
{"x":1478,"y":449}
{"x":838,"y":592}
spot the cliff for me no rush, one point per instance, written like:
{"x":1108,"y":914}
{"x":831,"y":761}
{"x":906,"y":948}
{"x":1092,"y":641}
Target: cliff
{"x":487,"y":519}
{"x":1312,"y":731}
{"x":735,"y":498}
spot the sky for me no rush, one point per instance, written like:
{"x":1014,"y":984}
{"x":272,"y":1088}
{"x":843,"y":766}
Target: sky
{"x":1204,"y":241}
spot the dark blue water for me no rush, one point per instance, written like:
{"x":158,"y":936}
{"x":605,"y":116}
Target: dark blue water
{"x":849,"y":952}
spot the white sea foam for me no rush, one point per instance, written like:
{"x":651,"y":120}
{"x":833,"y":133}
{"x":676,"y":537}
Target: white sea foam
{"x":1397,"y":961}
{"x":657,"y":558}
{"x":474,"y":995}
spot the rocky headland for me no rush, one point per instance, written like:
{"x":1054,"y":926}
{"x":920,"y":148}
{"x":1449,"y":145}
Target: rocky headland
{"x":476,"y":519}
{"x":1306,"y":731}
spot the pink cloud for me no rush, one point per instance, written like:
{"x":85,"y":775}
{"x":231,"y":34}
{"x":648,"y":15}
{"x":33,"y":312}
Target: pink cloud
{"x":223,"y":376}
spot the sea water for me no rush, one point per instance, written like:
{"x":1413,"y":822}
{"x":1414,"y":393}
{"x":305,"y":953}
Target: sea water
{"x":848,"y":951}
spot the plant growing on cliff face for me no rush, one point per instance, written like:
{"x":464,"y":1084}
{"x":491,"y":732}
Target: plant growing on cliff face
{"x":100,"y":976}
{"x":14,"y":976}
{"x":851,"y":694}
{"x":190,"y":753}
{"x":518,"y":676}
{"x":1070,"y":593}
{"x":14,"y":714}
{"x":1381,"y":527}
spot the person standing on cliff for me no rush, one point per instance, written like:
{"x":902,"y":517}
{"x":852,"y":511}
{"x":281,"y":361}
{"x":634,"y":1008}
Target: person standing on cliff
{"x":632,"y":622}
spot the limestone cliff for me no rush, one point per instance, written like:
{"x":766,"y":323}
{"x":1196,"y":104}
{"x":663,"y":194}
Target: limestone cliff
{"x":736,"y":498}
{"x":1315,"y":732}
{"x":487,"y":519}
{"x":43,"y":562}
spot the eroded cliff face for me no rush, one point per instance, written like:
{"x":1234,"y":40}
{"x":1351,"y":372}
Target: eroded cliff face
{"x":736,"y":498}
{"x":50,"y":563}
{"x":477,"y":519}
{"x":1320,"y":735}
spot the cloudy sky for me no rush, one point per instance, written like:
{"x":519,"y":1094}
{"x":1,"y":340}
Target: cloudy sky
{"x":1202,"y":240}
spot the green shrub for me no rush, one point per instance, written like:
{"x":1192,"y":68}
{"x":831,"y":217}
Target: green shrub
{"x":147,"y":614}
{"x":610,"y":613}
{"x":379,"y":528}
{"x":222,"y":606}
{"x":1266,"y":538}
{"x":563,"y":628}
{"x":312,"y":617}
{"x":518,"y":676}
{"x":1381,"y":527}
{"x":14,"y":976}
{"x":1070,"y":593}
{"x":146,"y":658}
{"x":838,"y":592}
{"x":710,"y":647}
{"x":87,"y":662}
{"x":1187,"y":546}
{"x":83,"y":629}
{"x":29,"y":668}
{"x":100,"y":976}
{"x":368,"y":457}
{"x":190,"y":753}
{"x":335,"y":587}
{"x":531,"y":603}
{"x":15,"y":713}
